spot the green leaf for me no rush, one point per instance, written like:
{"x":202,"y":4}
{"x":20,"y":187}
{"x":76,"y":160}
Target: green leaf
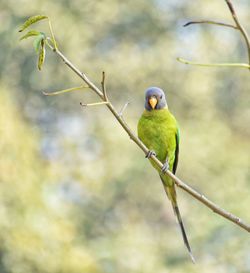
{"x":37,"y":42}
{"x":42,"y":52}
{"x":29,"y":34}
{"x":32,"y":20}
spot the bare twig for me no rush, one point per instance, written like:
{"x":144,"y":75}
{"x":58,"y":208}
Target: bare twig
{"x":64,"y":91}
{"x":209,"y":22}
{"x":104,"y":86}
{"x":93,"y":104}
{"x":52,"y":33}
{"x":241,"y":65}
{"x":123,"y":109}
{"x":215,"y":208}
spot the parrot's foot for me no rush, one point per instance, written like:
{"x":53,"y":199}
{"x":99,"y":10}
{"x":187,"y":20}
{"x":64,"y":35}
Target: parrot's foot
{"x":150,"y":154}
{"x":165,"y":167}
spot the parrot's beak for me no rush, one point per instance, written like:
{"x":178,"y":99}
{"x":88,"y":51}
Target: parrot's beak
{"x":153,"y":101}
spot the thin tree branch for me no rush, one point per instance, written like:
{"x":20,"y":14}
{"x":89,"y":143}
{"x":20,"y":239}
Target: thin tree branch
{"x":80,"y":74}
{"x":209,"y":22}
{"x":64,"y":91}
{"x":215,"y":208}
{"x":52,"y":34}
{"x":241,"y":65}
{"x":239,"y":26}
{"x":123,"y":109}
{"x":94,"y":103}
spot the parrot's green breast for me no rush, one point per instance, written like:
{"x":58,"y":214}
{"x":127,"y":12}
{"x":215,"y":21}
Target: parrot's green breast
{"x":158,"y":129}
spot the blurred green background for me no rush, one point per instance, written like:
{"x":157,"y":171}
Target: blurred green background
{"x":76,"y":195}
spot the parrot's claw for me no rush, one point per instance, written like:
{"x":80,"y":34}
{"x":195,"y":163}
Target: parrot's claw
{"x":150,"y":154}
{"x":165,"y":167}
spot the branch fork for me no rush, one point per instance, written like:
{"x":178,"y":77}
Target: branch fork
{"x":104,"y":94}
{"x":237,"y":26}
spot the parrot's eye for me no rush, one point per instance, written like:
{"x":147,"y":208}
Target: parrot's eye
{"x":161,"y":97}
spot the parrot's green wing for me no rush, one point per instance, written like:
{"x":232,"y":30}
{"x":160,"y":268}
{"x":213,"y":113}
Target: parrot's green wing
{"x":177,"y":139}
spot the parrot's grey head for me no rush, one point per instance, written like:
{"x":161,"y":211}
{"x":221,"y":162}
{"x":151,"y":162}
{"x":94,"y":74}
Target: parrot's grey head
{"x":155,"y":99}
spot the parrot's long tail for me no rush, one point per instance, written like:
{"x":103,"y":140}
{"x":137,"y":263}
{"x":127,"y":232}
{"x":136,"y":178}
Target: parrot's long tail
{"x":184,"y":236}
{"x":171,"y":193}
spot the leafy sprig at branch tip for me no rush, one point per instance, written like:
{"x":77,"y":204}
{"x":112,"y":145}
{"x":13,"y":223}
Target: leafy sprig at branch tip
{"x":41,"y":40}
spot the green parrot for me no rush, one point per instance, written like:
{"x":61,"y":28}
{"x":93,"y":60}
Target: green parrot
{"x":158,"y":130}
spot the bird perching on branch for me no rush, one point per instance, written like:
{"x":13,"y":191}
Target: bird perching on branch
{"x":158,"y":130}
